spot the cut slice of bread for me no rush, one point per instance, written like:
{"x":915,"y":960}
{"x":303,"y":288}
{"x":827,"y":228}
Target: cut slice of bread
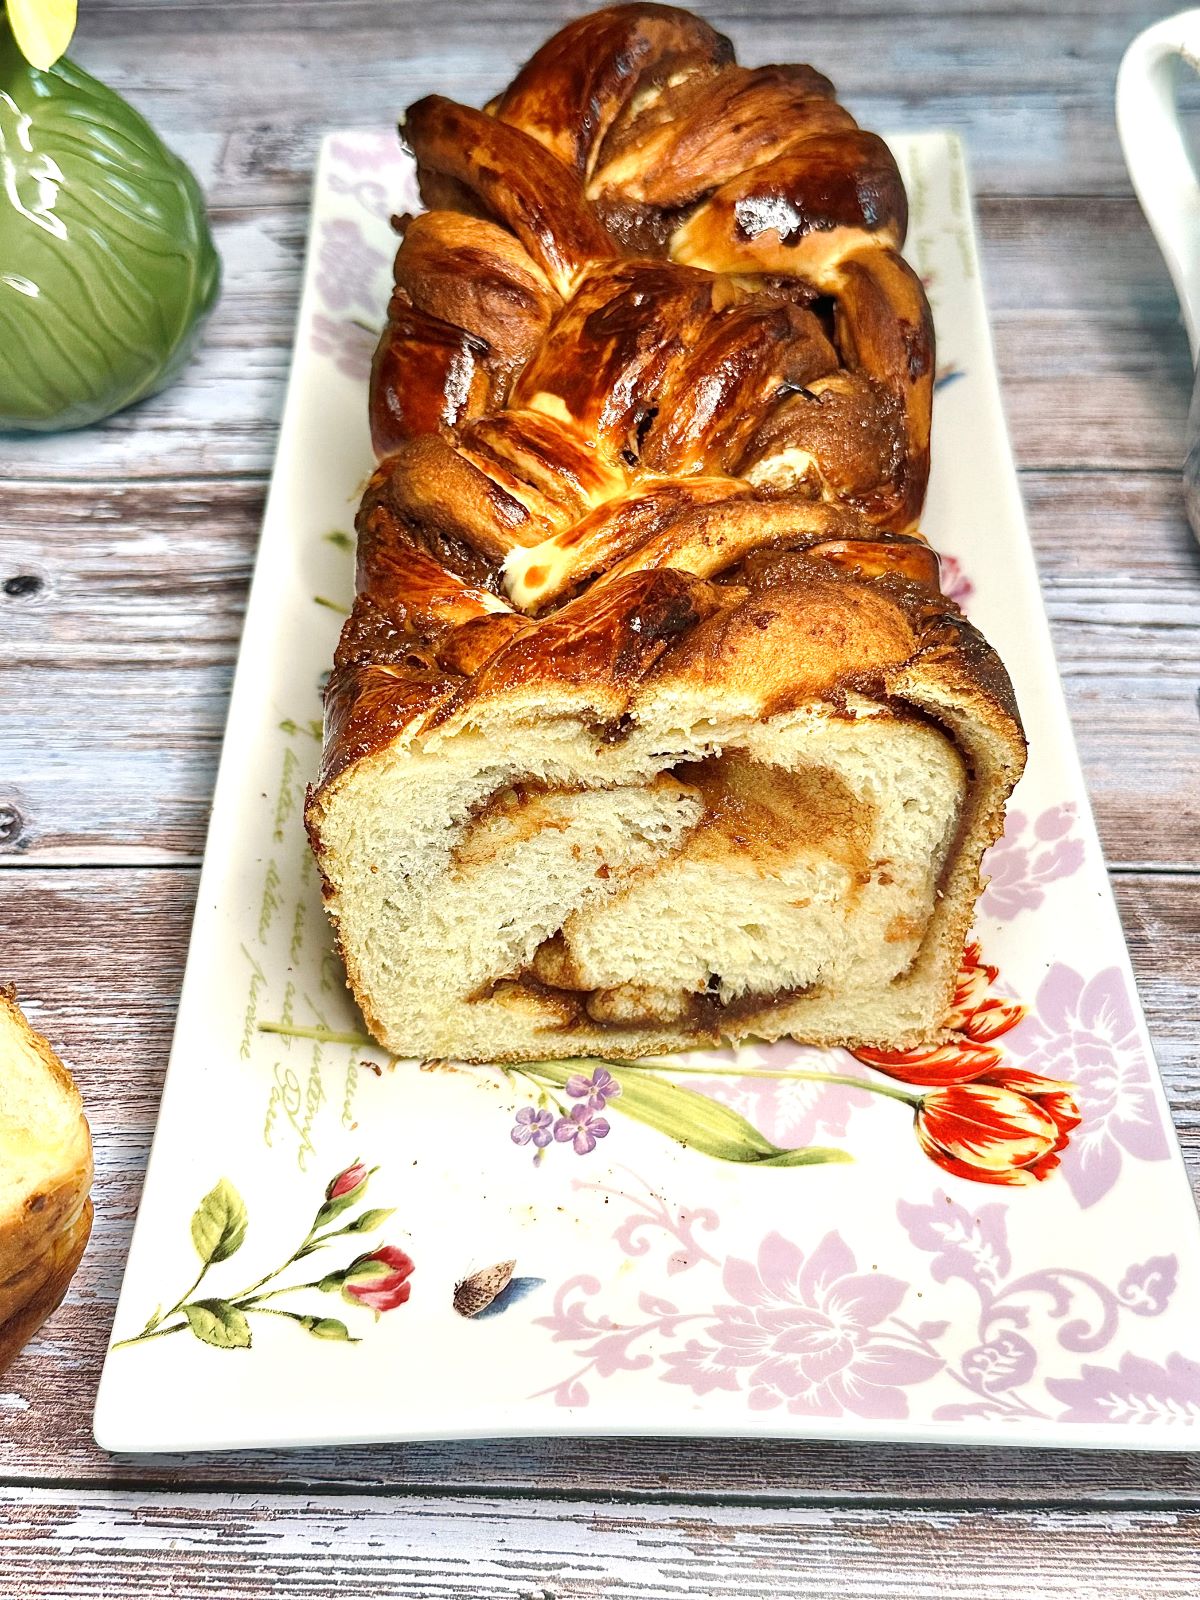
{"x":45,"y":1175}
{"x":776,"y":831}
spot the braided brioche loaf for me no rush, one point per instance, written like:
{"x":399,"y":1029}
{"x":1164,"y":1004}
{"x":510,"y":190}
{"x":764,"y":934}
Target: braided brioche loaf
{"x":651,"y":726}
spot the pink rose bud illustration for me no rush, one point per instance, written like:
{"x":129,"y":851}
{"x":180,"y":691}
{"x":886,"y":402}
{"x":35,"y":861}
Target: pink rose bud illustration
{"x":348,"y":1182}
{"x":342,"y":1192}
{"x":378,"y":1280}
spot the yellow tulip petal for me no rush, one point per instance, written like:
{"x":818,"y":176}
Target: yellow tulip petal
{"x":42,"y":29}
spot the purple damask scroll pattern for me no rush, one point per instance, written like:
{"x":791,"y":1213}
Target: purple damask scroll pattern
{"x":348,"y":267}
{"x":354,"y":252}
{"x":1033,"y":852}
{"x":1135,"y":1391}
{"x":1085,"y":1030}
{"x":1075,"y":1312}
{"x":817,"y":1332}
{"x":349,"y":272}
{"x":348,"y":344}
{"x":373,"y":169}
{"x":809,"y":1332}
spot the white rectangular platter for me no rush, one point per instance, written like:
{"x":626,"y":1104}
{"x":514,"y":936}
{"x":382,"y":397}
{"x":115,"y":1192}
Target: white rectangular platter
{"x":316,"y":1220}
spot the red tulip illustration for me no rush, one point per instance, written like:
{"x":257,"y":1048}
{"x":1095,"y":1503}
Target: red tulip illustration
{"x":955,"y":1061}
{"x":1006,"y":1127}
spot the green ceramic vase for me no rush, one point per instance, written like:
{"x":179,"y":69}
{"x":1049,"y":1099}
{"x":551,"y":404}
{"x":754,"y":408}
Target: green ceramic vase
{"x":107,"y":267}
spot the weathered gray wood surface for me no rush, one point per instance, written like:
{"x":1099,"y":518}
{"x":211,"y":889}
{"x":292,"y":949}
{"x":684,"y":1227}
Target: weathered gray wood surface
{"x":540,"y":1548}
{"x":113,"y":681}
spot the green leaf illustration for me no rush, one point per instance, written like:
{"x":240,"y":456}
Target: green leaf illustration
{"x":370,"y":1220}
{"x":312,"y":727}
{"x":693,"y":1119}
{"x":219,"y":1223}
{"x":327,"y":1328}
{"x":218,"y":1323}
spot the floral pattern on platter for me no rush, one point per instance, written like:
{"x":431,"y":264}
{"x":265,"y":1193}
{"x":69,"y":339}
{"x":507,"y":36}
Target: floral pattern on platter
{"x":978,"y":1116}
{"x":1135,"y":1391}
{"x":999,"y":1368}
{"x":357,"y":167}
{"x":1086,"y":1028}
{"x":351,"y":274}
{"x":956,"y":585}
{"x":375,"y":1280}
{"x":814,"y":1333}
{"x":348,"y":344}
{"x":1031,"y":854}
{"x":348,"y":267}
{"x":789,"y":1111}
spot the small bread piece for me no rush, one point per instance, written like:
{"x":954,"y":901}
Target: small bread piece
{"x":18,"y":1289}
{"x":45,"y":1176}
{"x":65,"y":1255}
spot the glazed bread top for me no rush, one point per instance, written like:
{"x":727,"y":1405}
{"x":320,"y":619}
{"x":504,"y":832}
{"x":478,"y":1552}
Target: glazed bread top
{"x":653,"y":368}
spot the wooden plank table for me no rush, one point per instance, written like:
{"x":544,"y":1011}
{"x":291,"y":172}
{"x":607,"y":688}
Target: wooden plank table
{"x":114,"y":672}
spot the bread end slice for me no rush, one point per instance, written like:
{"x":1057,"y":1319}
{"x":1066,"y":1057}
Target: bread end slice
{"x":45,"y":1176}
{"x":66,"y":1252}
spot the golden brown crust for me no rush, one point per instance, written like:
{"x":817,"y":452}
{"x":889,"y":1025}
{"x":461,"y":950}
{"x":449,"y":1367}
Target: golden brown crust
{"x":555,"y":414}
{"x":18,"y":1288}
{"x":570,"y":93}
{"x":512,"y":179}
{"x":12,"y":1014}
{"x":707,"y":130}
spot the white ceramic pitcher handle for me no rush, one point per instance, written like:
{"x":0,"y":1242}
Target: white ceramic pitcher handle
{"x":1157,"y":156}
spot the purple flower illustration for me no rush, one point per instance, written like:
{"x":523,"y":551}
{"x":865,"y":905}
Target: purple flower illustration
{"x":1026,"y":859}
{"x":533,"y":1127}
{"x":348,"y":344}
{"x":1135,"y":1391}
{"x":808,"y":1331}
{"x":806,"y":1334}
{"x":348,"y":266}
{"x":1085,"y":1032}
{"x":598,"y":1090}
{"x":581,"y":1127}
{"x":370,"y":168}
